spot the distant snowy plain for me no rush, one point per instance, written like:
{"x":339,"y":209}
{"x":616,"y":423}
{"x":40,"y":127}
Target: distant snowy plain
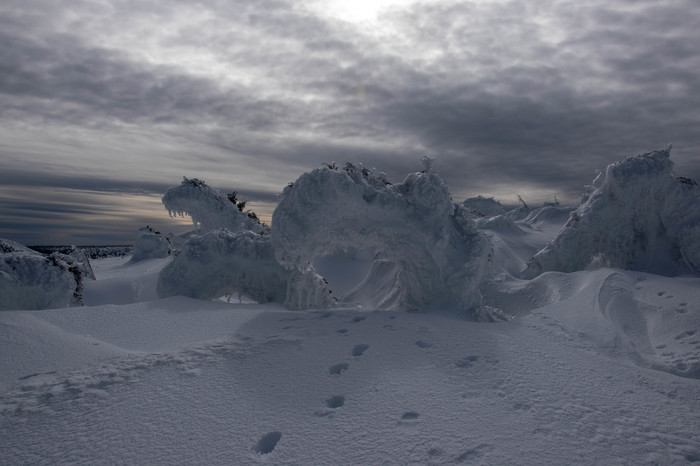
{"x":581,"y":373}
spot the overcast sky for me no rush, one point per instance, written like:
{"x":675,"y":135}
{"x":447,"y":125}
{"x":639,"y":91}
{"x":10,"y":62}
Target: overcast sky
{"x":106,"y":103}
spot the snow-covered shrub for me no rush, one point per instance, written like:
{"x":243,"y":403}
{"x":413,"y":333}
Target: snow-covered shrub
{"x":150,"y":244}
{"x":30,"y":280}
{"x":428,"y":253}
{"x":480,"y":206}
{"x":221,"y":263}
{"x":636,"y":216}
{"x":209,"y":208}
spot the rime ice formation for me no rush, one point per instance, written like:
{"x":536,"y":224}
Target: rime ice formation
{"x":208,"y":207}
{"x":221,"y":263}
{"x":635,"y":216}
{"x":30,"y":280}
{"x":150,"y":244}
{"x":427,"y":252}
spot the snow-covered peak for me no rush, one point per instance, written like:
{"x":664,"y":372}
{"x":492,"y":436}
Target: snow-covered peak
{"x":636,"y":215}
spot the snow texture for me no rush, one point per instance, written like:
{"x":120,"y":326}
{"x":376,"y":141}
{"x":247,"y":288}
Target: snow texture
{"x":427,"y":252}
{"x":208,"y":207}
{"x":30,"y":280}
{"x":222,"y":263}
{"x":635,"y":216}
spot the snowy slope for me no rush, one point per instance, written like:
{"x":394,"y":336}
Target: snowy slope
{"x":184,"y":381}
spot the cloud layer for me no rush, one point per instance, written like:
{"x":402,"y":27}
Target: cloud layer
{"x":515,"y":97}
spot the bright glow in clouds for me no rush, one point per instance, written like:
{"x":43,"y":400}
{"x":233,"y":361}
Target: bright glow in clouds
{"x":359,"y":11}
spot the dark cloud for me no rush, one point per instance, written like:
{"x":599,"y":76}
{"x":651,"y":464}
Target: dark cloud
{"x":533,"y":96}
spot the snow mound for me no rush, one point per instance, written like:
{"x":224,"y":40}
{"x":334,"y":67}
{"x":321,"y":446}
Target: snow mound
{"x":635,"y":216}
{"x":30,"y":280}
{"x":222,"y":263}
{"x":209,"y":208}
{"x":150,"y":244}
{"x":428,"y":253}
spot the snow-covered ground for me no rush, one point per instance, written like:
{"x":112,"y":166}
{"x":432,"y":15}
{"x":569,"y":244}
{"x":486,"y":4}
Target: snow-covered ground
{"x":596,"y":367}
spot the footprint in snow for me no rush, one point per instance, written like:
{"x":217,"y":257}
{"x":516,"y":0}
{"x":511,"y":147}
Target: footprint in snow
{"x":358,"y":319}
{"x":268,"y":442}
{"x":409,"y":418}
{"x":467,"y":362}
{"x":336,"y":401}
{"x":424,"y":344}
{"x":687,"y":334}
{"x":661,"y":293}
{"x":342,"y":331}
{"x":336,"y":369}
{"x":358,"y":350}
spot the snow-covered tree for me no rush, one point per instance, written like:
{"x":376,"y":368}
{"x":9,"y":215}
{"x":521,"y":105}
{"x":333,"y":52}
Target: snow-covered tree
{"x":209,"y":208}
{"x":636,"y":215}
{"x":428,"y":253}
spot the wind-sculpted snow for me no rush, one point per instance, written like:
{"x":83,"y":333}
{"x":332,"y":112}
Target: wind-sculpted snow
{"x":30,"y":280}
{"x":427,"y":252}
{"x":221,"y":263}
{"x":208,"y":207}
{"x":635,"y":216}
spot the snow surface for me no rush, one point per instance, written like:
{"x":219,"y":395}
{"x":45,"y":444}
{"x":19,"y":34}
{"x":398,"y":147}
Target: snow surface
{"x":185,"y":381}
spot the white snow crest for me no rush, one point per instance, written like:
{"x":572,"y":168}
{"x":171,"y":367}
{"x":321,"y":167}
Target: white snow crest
{"x":635,"y":216}
{"x":427,"y":251}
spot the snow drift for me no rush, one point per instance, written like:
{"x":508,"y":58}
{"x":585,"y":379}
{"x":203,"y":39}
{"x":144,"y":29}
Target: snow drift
{"x":30,"y":280}
{"x":426,"y":250}
{"x":635,"y":216}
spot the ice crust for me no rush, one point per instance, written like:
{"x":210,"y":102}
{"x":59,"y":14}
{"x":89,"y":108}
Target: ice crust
{"x":635,"y":216}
